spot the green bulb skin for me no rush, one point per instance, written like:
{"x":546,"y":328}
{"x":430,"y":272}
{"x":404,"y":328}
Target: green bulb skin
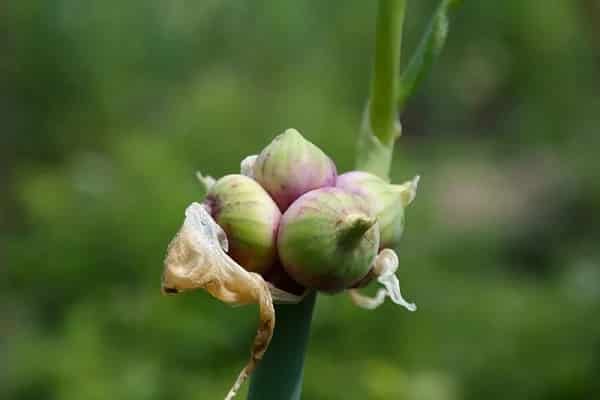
{"x":250,"y":219}
{"x":328,"y":239}
{"x":385,"y":200}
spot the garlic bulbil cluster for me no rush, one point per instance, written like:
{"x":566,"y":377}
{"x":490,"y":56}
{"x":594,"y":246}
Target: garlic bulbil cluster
{"x":285,"y":225}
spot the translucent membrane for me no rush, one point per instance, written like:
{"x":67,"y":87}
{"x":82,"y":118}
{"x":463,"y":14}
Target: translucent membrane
{"x":384,"y":269}
{"x":247,"y":166}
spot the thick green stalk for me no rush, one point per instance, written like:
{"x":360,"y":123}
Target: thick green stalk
{"x":388,"y":41}
{"x":380,"y":124}
{"x":279,"y":374}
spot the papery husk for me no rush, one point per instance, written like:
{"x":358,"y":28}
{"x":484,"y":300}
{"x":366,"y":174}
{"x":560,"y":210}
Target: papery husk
{"x":197,"y":259}
{"x":247,"y":165}
{"x":384,"y":270}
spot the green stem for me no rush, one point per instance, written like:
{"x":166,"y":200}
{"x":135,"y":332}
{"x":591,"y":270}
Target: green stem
{"x":380,"y":125}
{"x":388,"y":41}
{"x":279,"y":374}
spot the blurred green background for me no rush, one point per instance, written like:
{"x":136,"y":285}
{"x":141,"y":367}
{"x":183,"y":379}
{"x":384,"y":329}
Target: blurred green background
{"x":109,"y":107}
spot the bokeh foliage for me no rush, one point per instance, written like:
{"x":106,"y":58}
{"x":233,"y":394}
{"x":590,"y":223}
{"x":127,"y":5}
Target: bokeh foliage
{"x":107,"y":109}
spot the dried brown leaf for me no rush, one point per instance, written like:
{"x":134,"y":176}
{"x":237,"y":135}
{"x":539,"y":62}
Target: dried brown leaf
{"x":197,"y":259}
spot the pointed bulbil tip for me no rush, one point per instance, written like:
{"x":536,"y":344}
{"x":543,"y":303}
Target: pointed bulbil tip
{"x":408,"y":190}
{"x":206,"y":181}
{"x":292,"y":132}
{"x":354,"y":226}
{"x":247,"y":166}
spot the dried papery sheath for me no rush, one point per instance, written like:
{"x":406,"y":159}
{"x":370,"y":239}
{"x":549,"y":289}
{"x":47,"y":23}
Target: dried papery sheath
{"x":408,"y":190}
{"x":196,"y":259}
{"x":384,"y":268}
{"x":247,"y":166}
{"x":206,"y":181}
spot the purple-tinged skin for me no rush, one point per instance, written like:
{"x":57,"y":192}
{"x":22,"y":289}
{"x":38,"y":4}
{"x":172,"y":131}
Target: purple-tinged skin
{"x":353,"y":181}
{"x":277,"y":276}
{"x":291,"y":166}
{"x":387,"y":202}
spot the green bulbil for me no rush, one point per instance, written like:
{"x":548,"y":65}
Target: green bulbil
{"x":291,"y":166}
{"x":387,"y":201}
{"x":250,"y":219}
{"x":328,"y":239}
